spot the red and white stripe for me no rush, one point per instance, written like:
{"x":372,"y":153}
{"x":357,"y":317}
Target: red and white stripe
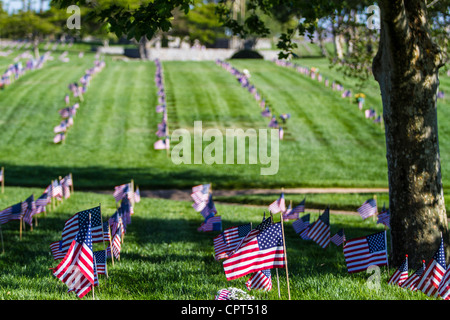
{"x":320,"y":233}
{"x":250,"y":259}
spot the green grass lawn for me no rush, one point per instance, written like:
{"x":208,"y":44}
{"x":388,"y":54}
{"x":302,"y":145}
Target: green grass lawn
{"x":164,"y":257}
{"x":327,"y":142}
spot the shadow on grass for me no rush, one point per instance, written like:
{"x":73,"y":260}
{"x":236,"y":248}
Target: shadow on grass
{"x":105,"y":178}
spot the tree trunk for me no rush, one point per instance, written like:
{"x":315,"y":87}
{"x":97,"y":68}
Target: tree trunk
{"x":406,"y":67}
{"x":338,"y":38}
{"x":143,"y":52}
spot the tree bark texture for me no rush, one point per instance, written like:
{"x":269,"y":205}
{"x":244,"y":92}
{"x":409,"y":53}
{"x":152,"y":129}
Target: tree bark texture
{"x":406,"y":68}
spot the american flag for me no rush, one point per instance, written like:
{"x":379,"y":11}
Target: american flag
{"x":265,"y":251}
{"x":200,"y":193}
{"x":65,"y":187}
{"x":55,"y":248}
{"x":261,"y":280}
{"x":1,"y":174}
{"x":444,"y":286}
{"x":384,"y":217}
{"x":294,"y":213}
{"x":59,"y":137}
{"x":72,"y":226}
{"x":30,"y":210}
{"x":117,"y":245}
{"x":338,"y":238}
{"x":120,"y":191}
{"x":137,"y":195}
{"x":210,"y":209}
{"x":42,"y":202}
{"x":301,"y":224}
{"x":211,"y":224}
{"x":273,"y":122}
{"x":115,"y":223}
{"x":362,"y":252}
{"x":368,"y":208}
{"x":100,"y":261}
{"x":161,"y":144}
{"x":411,"y":281}
{"x":126,"y":210}
{"x":229,"y":239}
{"x":319,"y":231}
{"x":222,"y":295}
{"x":401,"y":274}
{"x":278,"y":205}
{"x":76,"y":270}
{"x":433,"y":274}
{"x":57,"y":191}
{"x":14,"y":212}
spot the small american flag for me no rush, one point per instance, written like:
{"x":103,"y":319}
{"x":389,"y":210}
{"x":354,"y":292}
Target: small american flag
{"x":79,"y":256}
{"x":265,"y":251}
{"x":278,"y":205}
{"x":368,"y":208}
{"x":401,"y":274}
{"x":384,"y":217}
{"x":229,"y":239}
{"x":100,"y":261}
{"x":120,"y":191}
{"x":200,"y":193}
{"x":14,"y":212}
{"x":55,"y":248}
{"x":222,"y":295}
{"x":117,"y":245}
{"x":137,"y":195}
{"x":411,"y":282}
{"x":301,"y":224}
{"x":72,"y":227}
{"x":433,"y":274}
{"x":319,"y":231}
{"x":209,"y":209}
{"x":261,"y":280}
{"x":294,"y":212}
{"x":444,"y":286}
{"x":211,"y":224}
{"x":338,"y":238}
{"x":30,"y":210}
{"x":161,"y":144}
{"x":360,"y":253}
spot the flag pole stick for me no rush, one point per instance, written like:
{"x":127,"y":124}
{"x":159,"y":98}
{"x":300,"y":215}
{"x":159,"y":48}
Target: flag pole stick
{"x":132,"y":192}
{"x":1,"y":236}
{"x":110,"y":245}
{"x":103,"y":237}
{"x":71,"y":179}
{"x":276,"y":269}
{"x":3,"y":180}
{"x":285,"y":257}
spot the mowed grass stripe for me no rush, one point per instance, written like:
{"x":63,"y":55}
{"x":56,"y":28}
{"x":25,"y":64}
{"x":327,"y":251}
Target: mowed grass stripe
{"x":108,"y":124}
{"x":331,"y":134}
{"x":204,"y":91}
{"x":31,"y":108}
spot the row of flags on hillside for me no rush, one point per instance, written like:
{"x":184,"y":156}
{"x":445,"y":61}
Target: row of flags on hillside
{"x":81,"y":263}
{"x":243,"y":78}
{"x":163,"y":143}
{"x":314,"y":74}
{"x":24,"y":211}
{"x":18,"y":69}
{"x":77,"y":89}
{"x":360,"y":253}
